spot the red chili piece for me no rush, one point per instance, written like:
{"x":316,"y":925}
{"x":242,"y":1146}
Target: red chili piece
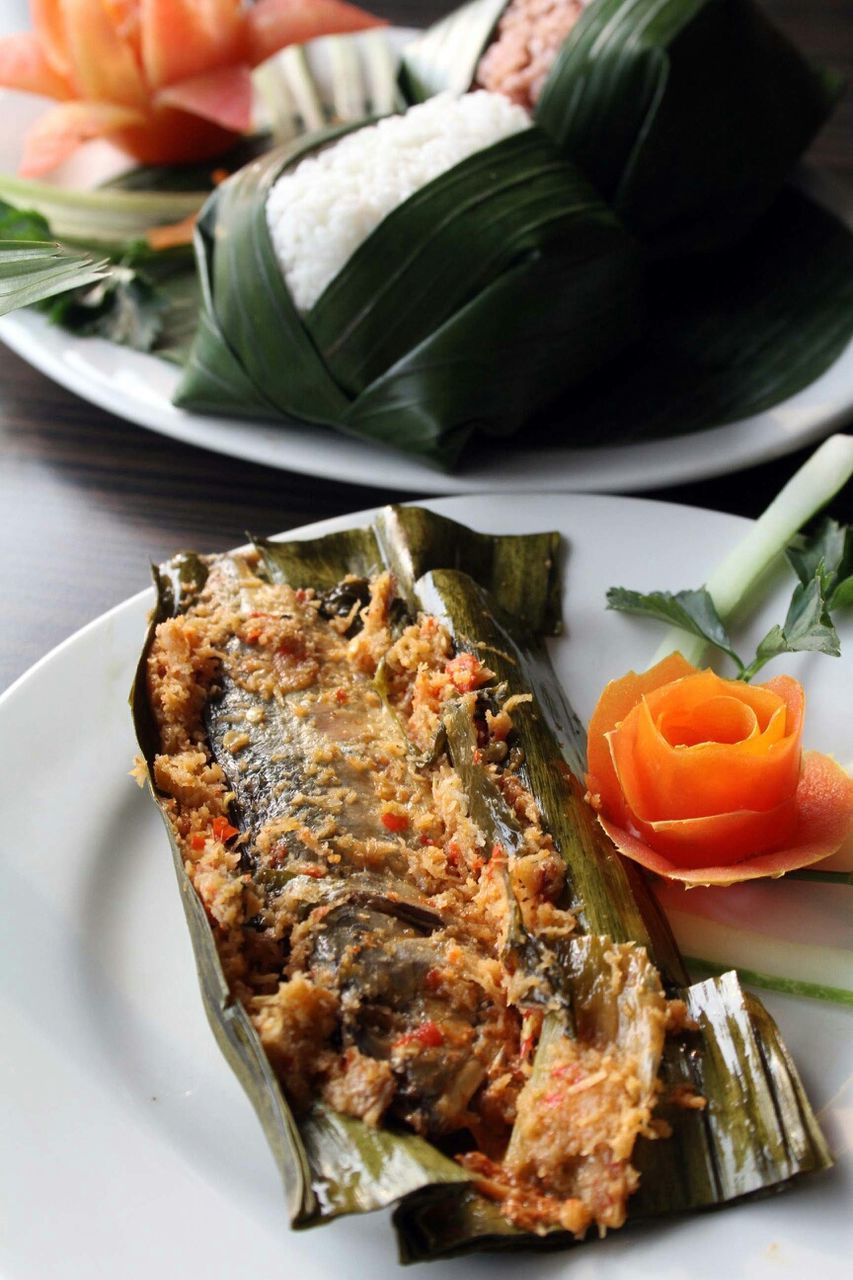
{"x":465,"y":671}
{"x":394,"y":821}
{"x":222,"y":829}
{"x":428,"y":1035}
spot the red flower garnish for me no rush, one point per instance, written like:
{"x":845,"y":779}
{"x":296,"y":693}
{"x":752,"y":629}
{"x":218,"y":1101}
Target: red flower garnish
{"x":167,"y":80}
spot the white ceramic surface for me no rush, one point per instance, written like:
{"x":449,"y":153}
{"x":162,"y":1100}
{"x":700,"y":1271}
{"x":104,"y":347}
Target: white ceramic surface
{"x":140,"y":388}
{"x":126,"y":1146}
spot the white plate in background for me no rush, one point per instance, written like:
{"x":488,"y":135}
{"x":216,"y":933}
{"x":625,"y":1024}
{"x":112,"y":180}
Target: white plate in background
{"x":140,"y":387}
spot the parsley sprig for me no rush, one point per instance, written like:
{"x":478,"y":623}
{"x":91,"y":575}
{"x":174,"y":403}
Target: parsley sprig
{"x":823,"y":564}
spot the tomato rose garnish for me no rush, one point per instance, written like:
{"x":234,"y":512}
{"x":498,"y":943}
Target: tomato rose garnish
{"x":167,"y":80}
{"x":704,"y":780}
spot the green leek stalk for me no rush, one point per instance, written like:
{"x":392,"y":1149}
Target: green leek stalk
{"x":106,"y":217}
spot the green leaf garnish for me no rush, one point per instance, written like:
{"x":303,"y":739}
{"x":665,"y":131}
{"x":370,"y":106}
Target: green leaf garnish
{"x":22,"y":224}
{"x":123,"y":307}
{"x":131,"y":294}
{"x":692,"y":611}
{"x":824,"y":566}
{"x":807,"y":627}
{"x":827,"y":555}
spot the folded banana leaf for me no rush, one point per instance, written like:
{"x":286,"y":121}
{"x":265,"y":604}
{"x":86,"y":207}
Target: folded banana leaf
{"x":728,"y":334}
{"x":489,"y":291}
{"x":686,"y":114}
{"x":757,"y":1130}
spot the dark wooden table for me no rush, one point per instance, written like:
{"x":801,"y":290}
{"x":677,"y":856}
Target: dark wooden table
{"x":88,"y":501}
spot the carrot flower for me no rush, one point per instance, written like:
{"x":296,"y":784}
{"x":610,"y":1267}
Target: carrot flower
{"x":704,"y":780}
{"x":169,"y":81}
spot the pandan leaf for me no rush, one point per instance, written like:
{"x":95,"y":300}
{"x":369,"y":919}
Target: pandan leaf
{"x":687,"y":114}
{"x":490,"y":290}
{"x":727,"y":334}
{"x":443,"y":247}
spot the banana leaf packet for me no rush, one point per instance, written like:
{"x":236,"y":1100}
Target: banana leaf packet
{"x":687,"y":115}
{"x":488,"y":292}
{"x":499,"y":598}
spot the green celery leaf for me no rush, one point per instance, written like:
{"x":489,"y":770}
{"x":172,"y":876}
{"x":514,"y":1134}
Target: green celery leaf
{"x":692,"y":611}
{"x":842,"y":596}
{"x":22,"y":224}
{"x":123,"y":307}
{"x":807,"y":627}
{"x":827,"y":555}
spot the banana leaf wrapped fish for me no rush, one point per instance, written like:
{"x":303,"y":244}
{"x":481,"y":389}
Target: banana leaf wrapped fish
{"x":439,"y":987}
{"x":687,"y":115}
{"x":410,"y":282}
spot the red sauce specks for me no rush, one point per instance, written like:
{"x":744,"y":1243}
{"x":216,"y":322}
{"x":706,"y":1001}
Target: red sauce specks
{"x":569,"y":1071}
{"x":466,"y":672}
{"x":291,"y":647}
{"x":395,"y":822}
{"x":427,"y":1036}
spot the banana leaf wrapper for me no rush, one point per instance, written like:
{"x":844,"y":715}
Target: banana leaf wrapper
{"x":687,"y":115}
{"x":499,"y":597}
{"x":487,"y":293}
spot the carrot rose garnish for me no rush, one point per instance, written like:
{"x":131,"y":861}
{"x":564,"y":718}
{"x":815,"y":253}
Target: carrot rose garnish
{"x":704,"y":780}
{"x":169,"y":81}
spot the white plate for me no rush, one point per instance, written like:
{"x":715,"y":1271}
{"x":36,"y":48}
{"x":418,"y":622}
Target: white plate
{"x":128,"y":1149}
{"x":140,"y":388}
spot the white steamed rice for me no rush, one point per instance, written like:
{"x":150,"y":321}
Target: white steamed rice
{"x":320,"y":212}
